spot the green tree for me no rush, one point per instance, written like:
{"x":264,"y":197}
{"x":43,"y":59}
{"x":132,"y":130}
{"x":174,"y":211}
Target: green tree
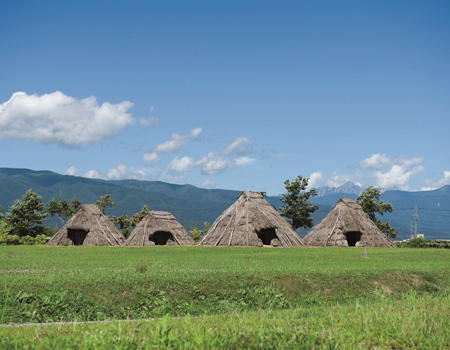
{"x":63,"y":209}
{"x":137,"y":217}
{"x":196,"y":233}
{"x":298,"y":208}
{"x":125,"y":223}
{"x":371,"y":203}
{"x":104,"y":202}
{"x":26,"y":216}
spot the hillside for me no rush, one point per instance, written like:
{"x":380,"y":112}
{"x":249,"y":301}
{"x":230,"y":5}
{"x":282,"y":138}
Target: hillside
{"x":191,"y":204}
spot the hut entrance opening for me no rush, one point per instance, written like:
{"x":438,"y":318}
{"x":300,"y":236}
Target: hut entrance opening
{"x":161,"y":237}
{"x":352,"y":237}
{"x":266,"y":235}
{"x":77,"y":236}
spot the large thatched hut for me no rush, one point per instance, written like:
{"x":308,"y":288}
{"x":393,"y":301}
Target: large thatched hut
{"x":88,"y":227}
{"x":347,"y":225}
{"x":159,"y":228}
{"x":251,"y":221}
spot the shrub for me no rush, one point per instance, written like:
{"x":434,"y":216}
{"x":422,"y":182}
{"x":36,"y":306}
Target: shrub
{"x":421,"y":242}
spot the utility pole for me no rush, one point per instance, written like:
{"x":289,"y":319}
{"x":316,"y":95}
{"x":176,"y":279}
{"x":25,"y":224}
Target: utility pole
{"x":415,"y":220}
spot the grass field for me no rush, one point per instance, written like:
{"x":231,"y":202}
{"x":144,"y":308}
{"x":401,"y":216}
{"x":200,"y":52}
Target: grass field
{"x":226,"y":297}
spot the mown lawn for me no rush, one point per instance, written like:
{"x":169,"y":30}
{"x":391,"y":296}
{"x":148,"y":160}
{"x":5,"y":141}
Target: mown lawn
{"x":227,"y":295}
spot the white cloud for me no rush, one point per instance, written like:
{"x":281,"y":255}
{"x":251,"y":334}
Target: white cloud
{"x":172,"y":145}
{"x":61,"y":119}
{"x":122,"y":171}
{"x":376,"y":161}
{"x":92,"y":174}
{"x":213,"y":163}
{"x":176,"y":141}
{"x":240,"y":146}
{"x":208,"y":183}
{"x":149,"y":121}
{"x":150,"y":157}
{"x":382,"y":171}
{"x":399,"y":174}
{"x":181,"y":165}
{"x":314,"y":178}
{"x":435,"y":184}
{"x":118,"y":172}
{"x":243,"y":161}
{"x":338,"y":179}
{"x":72,"y":170}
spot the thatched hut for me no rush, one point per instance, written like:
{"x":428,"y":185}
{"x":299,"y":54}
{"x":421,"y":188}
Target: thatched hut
{"x":251,"y":221}
{"x":88,"y":227}
{"x":159,"y":228}
{"x":347,"y":225}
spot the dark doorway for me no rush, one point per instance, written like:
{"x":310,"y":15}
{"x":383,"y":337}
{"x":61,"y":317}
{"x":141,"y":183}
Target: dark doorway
{"x":77,"y":236}
{"x":352,"y":237}
{"x":161,"y":237}
{"x":266,"y":235}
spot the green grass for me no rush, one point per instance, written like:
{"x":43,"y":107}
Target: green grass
{"x":225,"y":297}
{"x":42,"y":284}
{"x":411,"y":322}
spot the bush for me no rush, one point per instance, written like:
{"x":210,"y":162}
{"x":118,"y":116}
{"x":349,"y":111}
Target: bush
{"x":8,"y":239}
{"x":421,"y":242}
{"x":418,"y":242}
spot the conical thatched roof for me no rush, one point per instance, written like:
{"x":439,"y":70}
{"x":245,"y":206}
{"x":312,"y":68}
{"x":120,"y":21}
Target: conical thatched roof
{"x":159,"y":228}
{"x":347,"y":225}
{"x":88,"y":227}
{"x":251,"y":221}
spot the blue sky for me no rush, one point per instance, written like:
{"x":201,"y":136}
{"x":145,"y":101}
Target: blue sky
{"x":235,"y":94}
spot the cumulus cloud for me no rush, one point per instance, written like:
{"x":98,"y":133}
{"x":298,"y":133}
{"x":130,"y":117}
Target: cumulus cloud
{"x":122,"y":171}
{"x":150,"y":157}
{"x":399,"y":174}
{"x":337,"y":179}
{"x":243,"y":161}
{"x":118,"y":172}
{"x":172,"y":145}
{"x":434,"y":184}
{"x":92,"y":174}
{"x":382,"y":171}
{"x":72,"y":170}
{"x":213,"y":163}
{"x":176,"y":141}
{"x":314,"y":178}
{"x":181,"y":165}
{"x":376,"y":161}
{"x":61,"y":119}
{"x":240,"y":146}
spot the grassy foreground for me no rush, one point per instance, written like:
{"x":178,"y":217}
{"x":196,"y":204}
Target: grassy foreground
{"x":44,"y":284}
{"x":225,"y":297}
{"x":411,"y":322}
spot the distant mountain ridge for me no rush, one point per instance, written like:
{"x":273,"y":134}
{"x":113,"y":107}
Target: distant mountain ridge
{"x":191,"y":204}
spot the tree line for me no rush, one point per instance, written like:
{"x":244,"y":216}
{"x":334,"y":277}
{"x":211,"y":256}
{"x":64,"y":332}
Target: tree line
{"x":24,"y":222}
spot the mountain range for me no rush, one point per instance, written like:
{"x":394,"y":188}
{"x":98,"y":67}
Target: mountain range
{"x":192,"y":205}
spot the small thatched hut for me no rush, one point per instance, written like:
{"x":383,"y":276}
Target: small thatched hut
{"x":159,"y":228}
{"x":347,"y":225}
{"x":251,"y":221}
{"x":88,"y":227}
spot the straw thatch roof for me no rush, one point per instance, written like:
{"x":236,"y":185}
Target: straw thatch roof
{"x":159,"y":228}
{"x":251,"y":221}
{"x":347,"y":225}
{"x":88,"y":227}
